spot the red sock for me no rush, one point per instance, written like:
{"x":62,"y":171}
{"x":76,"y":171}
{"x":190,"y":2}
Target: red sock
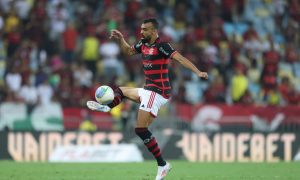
{"x":151,"y":144}
{"x":118,"y":98}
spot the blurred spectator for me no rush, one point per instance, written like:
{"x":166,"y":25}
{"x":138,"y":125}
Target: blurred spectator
{"x":13,"y":80}
{"x":211,"y":53}
{"x":279,"y":11}
{"x":90,"y":51}
{"x":1,"y":21}
{"x":14,"y":39}
{"x":250,"y":33}
{"x":69,"y":37}
{"x":12,"y":22}
{"x":253,"y":75}
{"x":83,"y":76}
{"x":59,"y":15}
{"x":2,"y":58}
{"x":35,"y":31}
{"x":253,"y":45}
{"x":216,"y":33}
{"x":291,"y":31}
{"x":64,"y":92}
{"x":247,"y":98}
{"x":271,"y":97}
{"x":45,"y":92}
{"x":77,"y":95}
{"x":56,"y":62}
{"x":23,"y":8}
{"x":181,"y":95}
{"x":87,"y":124}
{"x":289,"y":94}
{"x":269,"y":76}
{"x":216,"y":92}
{"x":294,"y":9}
{"x":239,"y":85}
{"x":39,"y":12}
{"x":29,"y":94}
{"x":227,"y":7}
{"x":111,"y":64}
{"x":291,"y":53}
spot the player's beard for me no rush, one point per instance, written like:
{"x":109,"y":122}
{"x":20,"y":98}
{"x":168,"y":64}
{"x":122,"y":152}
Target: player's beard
{"x":146,"y":39}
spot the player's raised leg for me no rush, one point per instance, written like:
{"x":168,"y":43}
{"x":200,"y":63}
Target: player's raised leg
{"x":120,"y":93}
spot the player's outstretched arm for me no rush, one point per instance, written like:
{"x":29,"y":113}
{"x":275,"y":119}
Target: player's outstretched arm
{"x":115,"y":34}
{"x":188,"y":64}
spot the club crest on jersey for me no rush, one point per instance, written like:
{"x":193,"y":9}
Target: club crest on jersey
{"x":151,"y":51}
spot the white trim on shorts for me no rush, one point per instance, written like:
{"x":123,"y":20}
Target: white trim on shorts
{"x":151,"y":101}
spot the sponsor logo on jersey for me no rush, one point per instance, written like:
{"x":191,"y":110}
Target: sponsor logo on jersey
{"x":148,"y":65}
{"x":163,"y":51}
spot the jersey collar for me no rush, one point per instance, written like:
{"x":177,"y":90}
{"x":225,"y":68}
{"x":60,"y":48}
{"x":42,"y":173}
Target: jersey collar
{"x":155,"y":42}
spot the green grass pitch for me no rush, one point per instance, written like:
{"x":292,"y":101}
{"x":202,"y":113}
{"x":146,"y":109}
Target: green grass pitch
{"x":182,"y":170}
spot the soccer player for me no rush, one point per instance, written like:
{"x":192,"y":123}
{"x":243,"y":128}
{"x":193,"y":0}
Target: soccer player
{"x":157,"y":90}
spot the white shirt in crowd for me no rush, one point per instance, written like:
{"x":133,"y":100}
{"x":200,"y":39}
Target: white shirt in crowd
{"x":84,"y":76}
{"x":45,"y":93}
{"x":23,"y":8}
{"x":13,"y":81}
{"x":29,"y":94}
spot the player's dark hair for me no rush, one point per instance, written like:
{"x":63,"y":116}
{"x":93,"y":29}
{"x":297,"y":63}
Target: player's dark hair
{"x":153,"y":21}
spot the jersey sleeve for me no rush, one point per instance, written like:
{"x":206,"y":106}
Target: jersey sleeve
{"x":137,"y":47}
{"x":166,"y":50}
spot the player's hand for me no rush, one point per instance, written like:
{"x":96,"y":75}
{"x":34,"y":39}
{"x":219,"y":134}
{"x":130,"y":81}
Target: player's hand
{"x":203,"y":75}
{"x":115,"y":34}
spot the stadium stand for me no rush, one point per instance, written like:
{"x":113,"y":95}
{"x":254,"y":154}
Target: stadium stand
{"x":59,"y":50}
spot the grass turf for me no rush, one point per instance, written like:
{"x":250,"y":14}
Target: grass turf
{"x":182,"y":170}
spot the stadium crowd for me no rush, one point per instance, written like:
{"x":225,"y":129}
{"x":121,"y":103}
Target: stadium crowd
{"x":59,"y":50}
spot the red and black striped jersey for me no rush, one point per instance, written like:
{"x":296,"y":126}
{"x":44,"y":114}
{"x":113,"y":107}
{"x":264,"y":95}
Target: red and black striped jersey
{"x":155,"y":65}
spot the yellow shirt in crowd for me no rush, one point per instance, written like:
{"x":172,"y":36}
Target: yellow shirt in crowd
{"x":90,"y":48}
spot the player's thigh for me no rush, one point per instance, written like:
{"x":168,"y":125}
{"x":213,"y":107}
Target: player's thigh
{"x":131,"y":93}
{"x":144,"y":119}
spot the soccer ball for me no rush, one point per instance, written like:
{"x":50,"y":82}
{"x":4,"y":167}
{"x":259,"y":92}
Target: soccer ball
{"x":104,"y":95}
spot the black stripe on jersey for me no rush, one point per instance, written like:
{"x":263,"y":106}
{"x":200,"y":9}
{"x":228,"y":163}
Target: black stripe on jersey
{"x":167,"y":91}
{"x":155,"y":67}
{"x":167,"y":84}
{"x":158,"y":76}
{"x":148,"y":82}
{"x":152,"y":57}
